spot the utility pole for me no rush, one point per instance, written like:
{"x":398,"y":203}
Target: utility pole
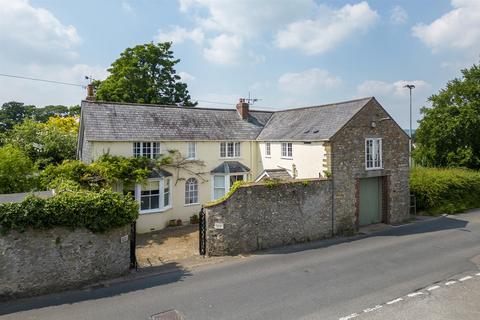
{"x":410,"y":87}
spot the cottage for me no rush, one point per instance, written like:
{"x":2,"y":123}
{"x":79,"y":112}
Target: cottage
{"x":355,"y":142}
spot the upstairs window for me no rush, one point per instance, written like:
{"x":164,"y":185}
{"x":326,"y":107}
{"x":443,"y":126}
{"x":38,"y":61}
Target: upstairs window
{"x":229,"y":149}
{"x":373,"y":153}
{"x":268,"y":149}
{"x":146,"y":149}
{"x":287,"y":150}
{"x":192,"y":151}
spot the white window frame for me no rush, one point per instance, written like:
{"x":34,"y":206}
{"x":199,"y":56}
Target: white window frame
{"x":287,"y":150}
{"x":376,"y":161}
{"x":268,"y":149}
{"x":227,"y":184}
{"x":140,"y":147}
{"x":230,"y":149}
{"x":191,"y":150}
{"x":189,"y":191}
{"x":161,"y":201}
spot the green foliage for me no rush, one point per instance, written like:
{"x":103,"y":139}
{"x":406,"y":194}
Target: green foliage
{"x":45,"y":143}
{"x":445,"y":190}
{"x":144,"y":74}
{"x":271,"y":183}
{"x":449,"y":133}
{"x":235,"y":186}
{"x":102,"y":173}
{"x":16,"y":170}
{"x":13,"y":113}
{"x":97,"y":212}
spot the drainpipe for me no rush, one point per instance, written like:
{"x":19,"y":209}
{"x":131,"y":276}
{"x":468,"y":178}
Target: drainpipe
{"x":333,"y":187}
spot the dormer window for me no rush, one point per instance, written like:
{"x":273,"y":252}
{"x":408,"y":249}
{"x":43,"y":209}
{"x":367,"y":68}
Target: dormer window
{"x":373,"y":153}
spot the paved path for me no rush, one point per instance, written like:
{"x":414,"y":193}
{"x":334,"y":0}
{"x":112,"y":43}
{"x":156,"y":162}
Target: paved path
{"x":322,"y":280}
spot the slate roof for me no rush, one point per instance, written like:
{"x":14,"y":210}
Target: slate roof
{"x":310,"y":123}
{"x":105,"y":121}
{"x":159,"y":173}
{"x":231,"y":167}
{"x":274,"y":174}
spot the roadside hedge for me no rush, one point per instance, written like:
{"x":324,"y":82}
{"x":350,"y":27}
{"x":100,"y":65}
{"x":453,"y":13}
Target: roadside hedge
{"x":446,"y":190}
{"x":96,"y":211}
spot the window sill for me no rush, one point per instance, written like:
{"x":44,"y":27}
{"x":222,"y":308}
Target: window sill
{"x":229,"y":158}
{"x":191,"y":159}
{"x":371,"y":169}
{"x":191,"y":204}
{"x":268,"y":157}
{"x":287,"y":158}
{"x":152,"y":211}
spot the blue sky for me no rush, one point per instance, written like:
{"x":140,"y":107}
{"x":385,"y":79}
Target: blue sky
{"x":287,"y":53}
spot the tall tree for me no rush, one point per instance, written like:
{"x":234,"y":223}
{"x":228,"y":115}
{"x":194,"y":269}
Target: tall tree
{"x":13,"y":113}
{"x":145,"y":74}
{"x":449,"y":133}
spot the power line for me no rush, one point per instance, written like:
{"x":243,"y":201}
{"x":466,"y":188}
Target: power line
{"x":42,"y":80}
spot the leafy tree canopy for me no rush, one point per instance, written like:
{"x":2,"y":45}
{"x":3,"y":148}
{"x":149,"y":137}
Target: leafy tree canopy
{"x":13,"y":113}
{"x":16,"y":170}
{"x":46,"y":143}
{"x":449,"y":133}
{"x":145,"y":74}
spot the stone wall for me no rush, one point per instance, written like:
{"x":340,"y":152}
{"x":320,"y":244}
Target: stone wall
{"x":348,"y":166}
{"x":263,"y":215}
{"x":41,"y":261}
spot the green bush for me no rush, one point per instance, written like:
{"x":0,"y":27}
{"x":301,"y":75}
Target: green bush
{"x":96,"y":211}
{"x":16,"y":170}
{"x":445,"y":190}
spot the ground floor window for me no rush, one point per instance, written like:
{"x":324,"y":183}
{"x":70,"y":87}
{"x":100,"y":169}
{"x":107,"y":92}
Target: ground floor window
{"x":223,"y":183}
{"x":191,"y":191}
{"x":154,"y":195}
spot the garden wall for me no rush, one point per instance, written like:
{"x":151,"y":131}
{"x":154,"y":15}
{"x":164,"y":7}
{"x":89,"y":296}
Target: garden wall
{"x":261,"y":216}
{"x":40,"y":261}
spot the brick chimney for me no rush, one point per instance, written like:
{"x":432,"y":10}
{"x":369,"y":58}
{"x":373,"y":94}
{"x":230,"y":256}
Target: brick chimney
{"x":90,"y":95}
{"x":243,"y":108}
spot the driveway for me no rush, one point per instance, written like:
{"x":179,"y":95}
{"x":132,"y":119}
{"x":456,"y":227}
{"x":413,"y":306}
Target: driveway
{"x":319,"y":280}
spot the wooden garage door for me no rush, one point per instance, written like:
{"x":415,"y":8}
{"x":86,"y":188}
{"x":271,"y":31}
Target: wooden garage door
{"x":370,"y":201}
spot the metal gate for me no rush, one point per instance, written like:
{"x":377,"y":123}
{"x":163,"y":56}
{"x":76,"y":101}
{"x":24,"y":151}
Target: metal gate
{"x":133,"y":245}
{"x":202,"y":228}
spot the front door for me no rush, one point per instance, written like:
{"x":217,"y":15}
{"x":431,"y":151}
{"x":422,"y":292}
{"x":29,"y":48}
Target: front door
{"x":370,"y":201}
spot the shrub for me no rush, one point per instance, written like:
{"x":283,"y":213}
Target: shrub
{"x":97,"y":212}
{"x":16,"y":170}
{"x":445,"y":190}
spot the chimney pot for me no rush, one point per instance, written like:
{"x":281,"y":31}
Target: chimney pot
{"x":243,"y":109}
{"x":90,"y":95}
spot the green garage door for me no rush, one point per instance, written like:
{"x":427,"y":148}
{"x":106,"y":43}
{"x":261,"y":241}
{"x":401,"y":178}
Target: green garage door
{"x":370,"y":201}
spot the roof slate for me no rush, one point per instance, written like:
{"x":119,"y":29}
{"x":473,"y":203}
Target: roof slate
{"x":231,"y":167}
{"x":310,"y":123}
{"x":104,"y":121}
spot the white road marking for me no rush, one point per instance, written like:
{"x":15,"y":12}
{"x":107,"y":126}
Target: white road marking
{"x":466,"y":278}
{"x":449,"y":283}
{"x":414,"y":294}
{"x":395,"y":301}
{"x":372,"y":309}
{"x":433,"y":288}
{"x":477,"y":274}
{"x":353,"y":315}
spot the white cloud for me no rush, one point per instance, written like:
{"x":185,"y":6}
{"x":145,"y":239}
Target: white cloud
{"x":41,"y":93}
{"x":397,"y":88}
{"x":178,"y":35}
{"x":34,"y":34}
{"x":186,"y":76}
{"x":308,"y":81}
{"x":328,"y":29}
{"x":458,"y":29}
{"x":224,"y":49}
{"x":398,"y":15}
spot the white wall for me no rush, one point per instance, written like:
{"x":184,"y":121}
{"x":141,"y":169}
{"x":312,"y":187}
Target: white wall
{"x":207,"y":151}
{"x":308,"y":158}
